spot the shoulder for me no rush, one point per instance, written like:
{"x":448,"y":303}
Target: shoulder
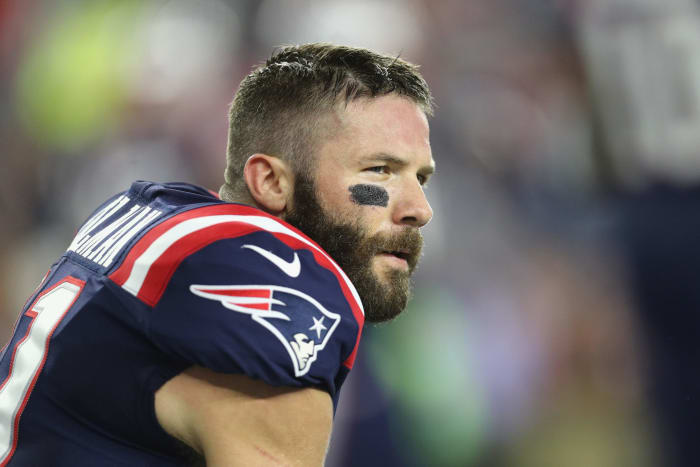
{"x":255,"y":237}
{"x":236,"y":290}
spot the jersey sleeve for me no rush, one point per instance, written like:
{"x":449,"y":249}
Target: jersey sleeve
{"x":254,"y":302}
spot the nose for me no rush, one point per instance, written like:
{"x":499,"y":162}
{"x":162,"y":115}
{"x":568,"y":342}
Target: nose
{"x":412,"y":207}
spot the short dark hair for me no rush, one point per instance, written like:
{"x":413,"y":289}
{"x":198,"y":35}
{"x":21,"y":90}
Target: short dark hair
{"x":281,"y":103}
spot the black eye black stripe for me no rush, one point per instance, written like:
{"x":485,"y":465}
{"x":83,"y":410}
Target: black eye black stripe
{"x":369,"y":195}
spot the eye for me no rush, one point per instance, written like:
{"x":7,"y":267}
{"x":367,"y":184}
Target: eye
{"x":422,"y":179}
{"x":380,"y":169}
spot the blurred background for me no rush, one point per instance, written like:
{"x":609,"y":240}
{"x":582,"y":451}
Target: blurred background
{"x":556,"y":312}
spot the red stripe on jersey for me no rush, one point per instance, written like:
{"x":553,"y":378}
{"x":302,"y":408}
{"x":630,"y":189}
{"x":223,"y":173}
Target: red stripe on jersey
{"x":165,"y":266}
{"x":247,"y":293}
{"x":122,"y":273}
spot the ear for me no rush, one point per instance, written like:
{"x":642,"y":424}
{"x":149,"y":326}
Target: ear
{"x":269,"y":181}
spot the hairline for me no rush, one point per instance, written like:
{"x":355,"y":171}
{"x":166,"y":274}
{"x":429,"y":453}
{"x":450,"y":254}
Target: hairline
{"x":335,"y":115}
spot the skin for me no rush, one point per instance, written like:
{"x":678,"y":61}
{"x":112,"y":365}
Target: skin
{"x":234,"y":420}
{"x":237,"y":421}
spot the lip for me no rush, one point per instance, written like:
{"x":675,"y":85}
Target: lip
{"x":393,"y":259}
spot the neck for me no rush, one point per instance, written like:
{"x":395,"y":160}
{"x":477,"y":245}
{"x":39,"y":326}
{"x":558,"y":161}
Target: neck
{"x":232,"y":195}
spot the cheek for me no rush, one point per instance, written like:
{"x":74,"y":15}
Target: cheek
{"x":364,"y":205}
{"x":329,"y":196}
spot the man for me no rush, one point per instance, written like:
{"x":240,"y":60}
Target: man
{"x":177,"y":321}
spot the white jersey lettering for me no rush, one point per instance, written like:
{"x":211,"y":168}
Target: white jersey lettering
{"x":102,"y":245}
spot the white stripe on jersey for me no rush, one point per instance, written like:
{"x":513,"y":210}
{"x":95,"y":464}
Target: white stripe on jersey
{"x":28,"y":359}
{"x":143,"y":263}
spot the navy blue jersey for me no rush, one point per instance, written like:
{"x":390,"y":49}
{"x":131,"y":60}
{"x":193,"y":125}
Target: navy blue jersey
{"x":160,"y":278}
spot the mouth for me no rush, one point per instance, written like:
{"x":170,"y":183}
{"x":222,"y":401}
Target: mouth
{"x":399,"y":257}
{"x":404,"y":255}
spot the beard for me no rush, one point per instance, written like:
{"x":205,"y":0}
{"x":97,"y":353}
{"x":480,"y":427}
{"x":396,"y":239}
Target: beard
{"x":354,"y":250}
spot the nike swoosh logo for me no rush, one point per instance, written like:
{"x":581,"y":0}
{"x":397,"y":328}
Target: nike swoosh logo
{"x":290,"y":268}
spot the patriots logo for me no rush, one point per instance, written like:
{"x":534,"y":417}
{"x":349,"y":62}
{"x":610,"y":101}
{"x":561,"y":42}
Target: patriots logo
{"x":301,"y":323}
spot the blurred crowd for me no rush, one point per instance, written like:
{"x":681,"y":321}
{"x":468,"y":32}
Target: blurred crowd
{"x":553,"y":321}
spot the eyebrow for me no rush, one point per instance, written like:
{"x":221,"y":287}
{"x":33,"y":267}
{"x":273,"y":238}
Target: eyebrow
{"x":425,"y":170}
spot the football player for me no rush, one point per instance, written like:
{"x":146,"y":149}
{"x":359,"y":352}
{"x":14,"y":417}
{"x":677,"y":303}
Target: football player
{"x":180,"y":322}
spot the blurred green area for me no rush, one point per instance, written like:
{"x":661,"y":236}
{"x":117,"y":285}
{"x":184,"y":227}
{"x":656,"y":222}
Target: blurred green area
{"x":424,"y":362}
{"x":71,"y":84}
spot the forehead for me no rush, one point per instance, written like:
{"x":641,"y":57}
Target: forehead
{"x":388,"y":124}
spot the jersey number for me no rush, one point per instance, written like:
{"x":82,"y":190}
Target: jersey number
{"x":28,"y":357}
